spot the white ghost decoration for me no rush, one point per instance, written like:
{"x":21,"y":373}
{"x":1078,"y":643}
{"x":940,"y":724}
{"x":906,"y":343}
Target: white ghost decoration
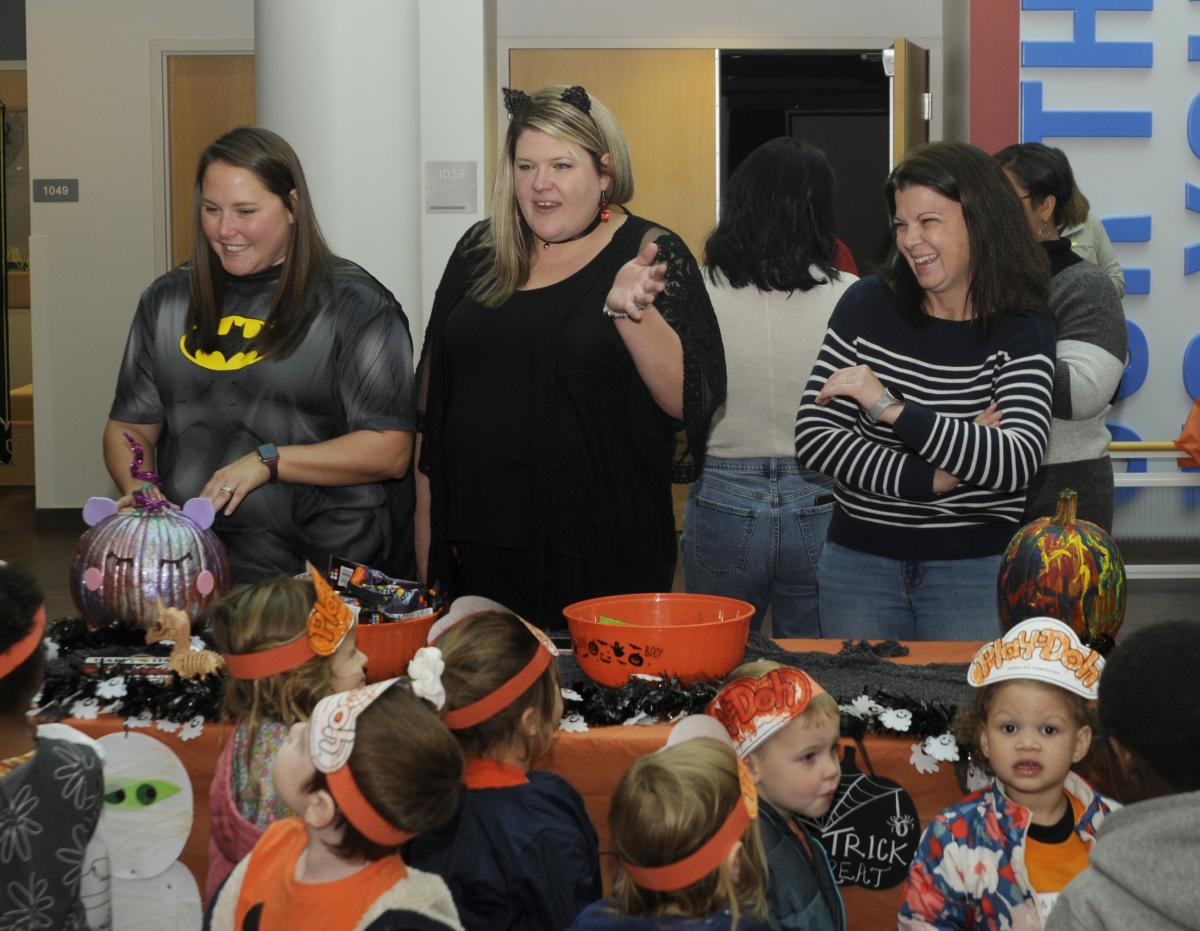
{"x":943,"y":747}
{"x":896,"y":719}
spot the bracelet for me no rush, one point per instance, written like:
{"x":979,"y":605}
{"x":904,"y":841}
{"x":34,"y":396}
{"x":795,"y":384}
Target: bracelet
{"x":615,"y":314}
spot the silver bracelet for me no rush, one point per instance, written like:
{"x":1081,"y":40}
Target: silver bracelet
{"x":615,"y":314}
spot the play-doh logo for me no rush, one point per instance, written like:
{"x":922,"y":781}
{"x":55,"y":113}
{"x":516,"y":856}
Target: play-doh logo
{"x":1039,"y":648}
{"x":753,"y":708}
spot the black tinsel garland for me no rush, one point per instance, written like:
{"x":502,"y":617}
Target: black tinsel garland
{"x":931,"y":693}
{"x":71,"y":678}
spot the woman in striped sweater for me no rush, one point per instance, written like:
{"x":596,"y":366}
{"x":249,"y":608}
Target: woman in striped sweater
{"x":929,"y":404}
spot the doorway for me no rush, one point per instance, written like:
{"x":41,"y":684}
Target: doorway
{"x":838,"y":100}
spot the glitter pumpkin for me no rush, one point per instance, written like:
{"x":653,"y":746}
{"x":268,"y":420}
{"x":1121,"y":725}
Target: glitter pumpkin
{"x":128,"y":560}
{"x":1067,"y":569}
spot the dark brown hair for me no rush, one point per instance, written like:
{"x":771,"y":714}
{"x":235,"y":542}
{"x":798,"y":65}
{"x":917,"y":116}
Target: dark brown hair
{"x":482,"y":652}
{"x":20,"y":598}
{"x":1009,"y":270}
{"x":304,"y":287}
{"x":1044,"y":170}
{"x":408,"y":767}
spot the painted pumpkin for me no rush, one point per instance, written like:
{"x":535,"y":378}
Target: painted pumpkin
{"x":1067,"y":569}
{"x":128,"y":560}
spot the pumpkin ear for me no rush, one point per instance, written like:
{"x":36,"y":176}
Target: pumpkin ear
{"x":200,"y":510}
{"x":97,"y":509}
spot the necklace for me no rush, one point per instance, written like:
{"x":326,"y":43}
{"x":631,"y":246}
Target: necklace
{"x":547,"y":243}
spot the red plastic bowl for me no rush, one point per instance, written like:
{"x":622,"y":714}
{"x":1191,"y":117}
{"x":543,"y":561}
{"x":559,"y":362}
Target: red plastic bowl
{"x":389,"y":647}
{"x":694,"y":637}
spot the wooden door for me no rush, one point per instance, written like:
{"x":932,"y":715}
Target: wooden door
{"x":207,"y":95}
{"x":665,"y":103}
{"x":910,"y":103}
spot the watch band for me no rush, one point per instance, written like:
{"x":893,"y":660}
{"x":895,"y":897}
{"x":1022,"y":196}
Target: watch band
{"x":268,"y":455}
{"x":886,"y":400}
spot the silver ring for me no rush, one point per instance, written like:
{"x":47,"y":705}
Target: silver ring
{"x":227,"y":488}
{"x":639,"y":306}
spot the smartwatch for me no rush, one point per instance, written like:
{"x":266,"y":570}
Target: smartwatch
{"x":268,"y":455}
{"x":876,"y":410}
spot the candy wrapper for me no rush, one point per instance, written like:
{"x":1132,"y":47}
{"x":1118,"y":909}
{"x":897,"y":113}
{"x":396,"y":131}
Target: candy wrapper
{"x":380,"y":598}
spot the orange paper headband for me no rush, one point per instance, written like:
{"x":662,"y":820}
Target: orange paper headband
{"x":753,"y":709}
{"x":329,"y":622}
{"x":695,"y":866}
{"x":20,"y":651}
{"x":360,"y":813}
{"x":331,"y":734}
{"x":493,"y":703}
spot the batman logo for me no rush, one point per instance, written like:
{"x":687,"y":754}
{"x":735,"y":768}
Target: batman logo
{"x":234,"y":334}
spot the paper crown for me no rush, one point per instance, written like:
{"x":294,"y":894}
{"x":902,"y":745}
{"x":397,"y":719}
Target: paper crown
{"x":329,"y":623}
{"x":754,"y":708}
{"x":331,"y":735}
{"x":494,"y":702}
{"x":705,"y":860}
{"x":1043,"y":649}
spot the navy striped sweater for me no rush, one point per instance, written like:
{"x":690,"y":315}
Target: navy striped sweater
{"x":947,"y":372}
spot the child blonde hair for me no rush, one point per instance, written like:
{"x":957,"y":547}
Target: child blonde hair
{"x":482,"y":652}
{"x":664,"y":809}
{"x":256,"y":617}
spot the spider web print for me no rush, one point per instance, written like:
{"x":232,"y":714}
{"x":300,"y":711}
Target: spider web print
{"x":859,"y":791}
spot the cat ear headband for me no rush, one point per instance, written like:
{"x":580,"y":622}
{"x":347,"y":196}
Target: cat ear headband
{"x":517,"y":102}
{"x":18,"y":652}
{"x":329,"y":623}
{"x":494,"y":702}
{"x":708,"y":858}
{"x":754,"y":708}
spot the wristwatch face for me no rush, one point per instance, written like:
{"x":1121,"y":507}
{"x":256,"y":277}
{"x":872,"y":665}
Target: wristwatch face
{"x":267,"y":452}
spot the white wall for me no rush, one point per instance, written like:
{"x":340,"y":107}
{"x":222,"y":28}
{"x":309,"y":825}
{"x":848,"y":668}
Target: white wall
{"x":457,"y":51}
{"x":731,"y":24}
{"x":90,"y":116}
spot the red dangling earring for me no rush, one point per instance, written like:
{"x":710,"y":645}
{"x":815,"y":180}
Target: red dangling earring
{"x":604,"y":212}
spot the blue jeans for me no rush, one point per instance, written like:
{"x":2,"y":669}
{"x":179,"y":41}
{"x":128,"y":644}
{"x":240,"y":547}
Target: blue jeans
{"x":753,"y":529}
{"x":876,"y":598}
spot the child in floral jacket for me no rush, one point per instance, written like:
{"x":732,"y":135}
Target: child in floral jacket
{"x":999,"y":858}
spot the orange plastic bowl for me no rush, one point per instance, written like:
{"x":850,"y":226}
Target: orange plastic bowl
{"x":694,"y":637}
{"x":390,"y":646}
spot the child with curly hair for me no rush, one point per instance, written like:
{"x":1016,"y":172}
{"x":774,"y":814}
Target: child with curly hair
{"x":999,"y":858}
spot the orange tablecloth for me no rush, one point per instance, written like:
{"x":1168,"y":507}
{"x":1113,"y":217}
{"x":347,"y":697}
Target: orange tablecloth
{"x":594,"y":761}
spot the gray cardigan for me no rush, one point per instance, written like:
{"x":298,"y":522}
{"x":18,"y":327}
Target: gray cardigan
{"x":1090,"y":361}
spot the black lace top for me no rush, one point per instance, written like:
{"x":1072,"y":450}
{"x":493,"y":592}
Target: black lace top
{"x":600,"y":454}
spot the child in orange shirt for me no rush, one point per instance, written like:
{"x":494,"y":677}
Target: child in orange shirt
{"x":374,"y":767}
